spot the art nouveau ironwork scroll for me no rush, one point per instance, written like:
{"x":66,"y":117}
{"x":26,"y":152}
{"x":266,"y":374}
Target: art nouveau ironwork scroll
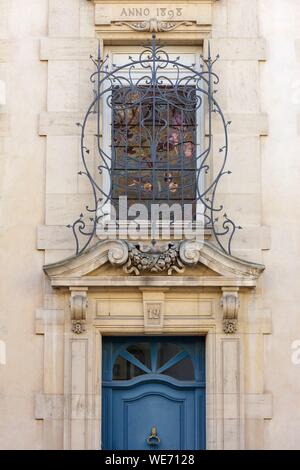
{"x":157,"y":153}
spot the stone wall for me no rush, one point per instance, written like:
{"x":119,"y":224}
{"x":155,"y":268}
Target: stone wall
{"x":44,"y":62}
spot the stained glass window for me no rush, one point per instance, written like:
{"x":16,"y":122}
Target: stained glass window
{"x":154,"y":144}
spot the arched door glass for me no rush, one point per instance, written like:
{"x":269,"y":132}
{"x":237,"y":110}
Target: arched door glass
{"x":165,"y":358}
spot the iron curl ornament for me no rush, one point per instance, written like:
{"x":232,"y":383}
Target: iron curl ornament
{"x":158,"y":152}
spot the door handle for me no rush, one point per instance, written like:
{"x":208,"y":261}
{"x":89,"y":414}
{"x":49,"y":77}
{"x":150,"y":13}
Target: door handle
{"x":153,"y":439}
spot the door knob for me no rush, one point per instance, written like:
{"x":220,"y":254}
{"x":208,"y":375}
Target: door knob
{"x":153,"y":439}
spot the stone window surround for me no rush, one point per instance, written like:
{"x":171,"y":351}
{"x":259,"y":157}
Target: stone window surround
{"x":108,"y":47}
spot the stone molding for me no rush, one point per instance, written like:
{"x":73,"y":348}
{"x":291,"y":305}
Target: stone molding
{"x":230,"y":271}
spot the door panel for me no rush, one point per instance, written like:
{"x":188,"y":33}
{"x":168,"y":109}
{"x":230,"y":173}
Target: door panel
{"x":145,"y":406}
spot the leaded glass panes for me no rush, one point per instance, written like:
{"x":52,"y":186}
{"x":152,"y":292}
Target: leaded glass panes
{"x":154,"y":144}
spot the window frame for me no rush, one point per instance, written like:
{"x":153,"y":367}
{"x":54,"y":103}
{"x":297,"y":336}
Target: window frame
{"x":188,"y":55}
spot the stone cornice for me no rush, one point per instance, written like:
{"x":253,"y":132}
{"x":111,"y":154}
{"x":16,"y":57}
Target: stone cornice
{"x":151,"y":281}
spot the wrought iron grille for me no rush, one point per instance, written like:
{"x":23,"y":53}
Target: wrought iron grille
{"x":157,"y":153}
{"x":154,"y":144}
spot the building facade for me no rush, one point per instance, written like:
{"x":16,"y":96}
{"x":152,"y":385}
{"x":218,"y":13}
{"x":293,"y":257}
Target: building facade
{"x":122,"y":342}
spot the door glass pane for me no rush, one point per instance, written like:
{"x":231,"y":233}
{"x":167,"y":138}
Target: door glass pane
{"x":165,"y":352}
{"x":124,"y":370}
{"x":183,"y":370}
{"x":142,"y":352}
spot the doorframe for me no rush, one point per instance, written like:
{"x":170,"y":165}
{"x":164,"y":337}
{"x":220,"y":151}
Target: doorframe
{"x":224,"y":357}
{"x":227,"y":292}
{"x":213,"y":399}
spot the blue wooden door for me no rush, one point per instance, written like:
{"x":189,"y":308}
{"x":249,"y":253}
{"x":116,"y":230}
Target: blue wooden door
{"x":153,"y":393}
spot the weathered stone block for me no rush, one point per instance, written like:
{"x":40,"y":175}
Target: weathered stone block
{"x":243,"y":161}
{"x":237,"y":48}
{"x":64,"y":124}
{"x":242,"y":18}
{"x":63,"y":86}
{"x":243,"y":123}
{"x":243,"y":76}
{"x":63,"y":208}
{"x":68,"y":49}
{"x":62,"y":164}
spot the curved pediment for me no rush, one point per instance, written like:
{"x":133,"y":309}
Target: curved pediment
{"x":187,"y":263}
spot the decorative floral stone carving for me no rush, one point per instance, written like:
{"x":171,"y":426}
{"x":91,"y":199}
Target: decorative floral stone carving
{"x":170,"y":257}
{"x":153,"y":259}
{"x":230,"y":326}
{"x":78,"y":327}
{"x":153,"y":25}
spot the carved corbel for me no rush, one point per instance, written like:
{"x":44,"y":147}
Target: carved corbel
{"x":230,"y":304}
{"x":78,"y":308}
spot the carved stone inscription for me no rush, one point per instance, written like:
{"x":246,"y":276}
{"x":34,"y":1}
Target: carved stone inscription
{"x":154,"y":311}
{"x":199,"y":13}
{"x":153,"y":316}
{"x":147,"y":12}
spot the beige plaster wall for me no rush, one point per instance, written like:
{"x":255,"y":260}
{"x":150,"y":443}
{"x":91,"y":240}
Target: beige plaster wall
{"x":42,"y":44}
{"x":280,"y":25}
{"x":22,"y":179}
